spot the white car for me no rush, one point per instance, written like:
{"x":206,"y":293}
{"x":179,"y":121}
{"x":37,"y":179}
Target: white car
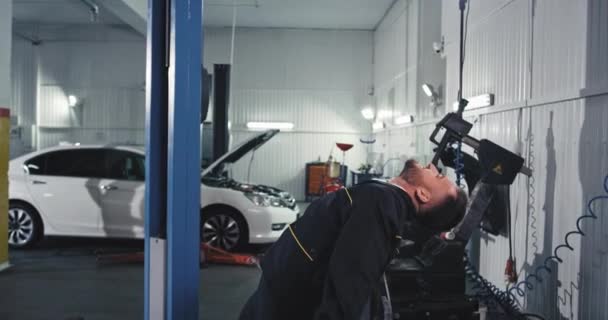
{"x":98,"y":191}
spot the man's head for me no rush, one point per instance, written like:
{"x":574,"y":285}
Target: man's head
{"x":441,"y":204}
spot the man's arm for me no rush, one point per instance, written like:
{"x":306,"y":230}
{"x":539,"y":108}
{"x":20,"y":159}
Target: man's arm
{"x":362,"y":251}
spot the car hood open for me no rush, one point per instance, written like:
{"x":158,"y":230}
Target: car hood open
{"x":241,"y":150}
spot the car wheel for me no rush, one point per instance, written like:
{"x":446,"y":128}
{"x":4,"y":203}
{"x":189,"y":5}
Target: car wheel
{"x":224,"y":228}
{"x":24,"y":226}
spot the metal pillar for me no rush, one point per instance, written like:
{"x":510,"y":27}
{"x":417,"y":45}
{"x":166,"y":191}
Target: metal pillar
{"x":173,"y":94}
{"x":221,"y":97}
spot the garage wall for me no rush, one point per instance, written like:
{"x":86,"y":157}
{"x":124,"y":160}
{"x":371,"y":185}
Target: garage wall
{"x":317,"y":79}
{"x":108,"y":78}
{"x":547,"y":64}
{"x":103,"y":67}
{"x":23,"y":96}
{"x":404,"y":60}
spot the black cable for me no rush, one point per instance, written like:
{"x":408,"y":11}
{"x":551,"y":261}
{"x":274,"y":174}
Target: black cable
{"x":508,"y":201}
{"x":535,"y":316}
{"x":462,"y":5}
{"x":466,"y":32}
{"x":463,"y":37}
{"x":489,"y":293}
{"x":464,"y":29}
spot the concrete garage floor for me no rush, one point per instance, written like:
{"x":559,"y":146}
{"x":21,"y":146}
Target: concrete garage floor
{"x":61,"y":280}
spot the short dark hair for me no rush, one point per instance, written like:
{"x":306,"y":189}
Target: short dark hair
{"x":448,"y":214}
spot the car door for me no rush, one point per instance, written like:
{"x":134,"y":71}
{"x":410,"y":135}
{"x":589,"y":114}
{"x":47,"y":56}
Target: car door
{"x":65,"y":186}
{"x":123,"y":192}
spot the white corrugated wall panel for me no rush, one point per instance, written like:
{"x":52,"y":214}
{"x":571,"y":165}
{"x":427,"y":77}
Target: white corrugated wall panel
{"x":113,"y":108}
{"x":53,"y":109}
{"x":480,"y":10}
{"x":504,"y":129}
{"x":318,"y":80}
{"x":108,"y":79}
{"x":592,"y":168}
{"x":597,"y":45}
{"x":23,"y":82}
{"x":431,"y":66}
{"x":93,"y":64}
{"x":396,"y":61}
{"x":309,"y":110}
{"x":496,"y":56}
{"x":49,"y":137}
{"x":559,"y":48}
{"x":103,"y":136}
{"x":290,"y":59}
{"x":390,"y":46}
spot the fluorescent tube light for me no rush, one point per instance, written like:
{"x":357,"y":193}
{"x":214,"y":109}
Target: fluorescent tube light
{"x":480,"y":101}
{"x":428,"y":90}
{"x":404,"y":119}
{"x":270,"y":125}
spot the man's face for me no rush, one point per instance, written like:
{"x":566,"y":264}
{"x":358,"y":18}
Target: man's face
{"x":428,"y":179}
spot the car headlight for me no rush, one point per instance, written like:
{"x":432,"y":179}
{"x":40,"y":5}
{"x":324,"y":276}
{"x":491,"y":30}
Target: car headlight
{"x":276,"y":202}
{"x":258,"y":199}
{"x":262,"y":200}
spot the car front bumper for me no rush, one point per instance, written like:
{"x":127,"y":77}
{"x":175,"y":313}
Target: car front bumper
{"x":262,"y":219}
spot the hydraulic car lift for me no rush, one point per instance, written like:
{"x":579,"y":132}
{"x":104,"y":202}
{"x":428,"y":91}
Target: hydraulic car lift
{"x":173,"y":101}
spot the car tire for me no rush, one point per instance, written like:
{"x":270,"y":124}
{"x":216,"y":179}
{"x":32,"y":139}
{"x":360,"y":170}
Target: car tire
{"x":24,"y":226}
{"x":224,"y":228}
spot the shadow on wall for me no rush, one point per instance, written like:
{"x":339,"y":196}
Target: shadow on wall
{"x":593,"y":167}
{"x":592,"y":170}
{"x":543,"y":299}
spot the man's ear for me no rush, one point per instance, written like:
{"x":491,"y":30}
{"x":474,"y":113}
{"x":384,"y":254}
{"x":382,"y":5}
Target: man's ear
{"x":423,"y":195}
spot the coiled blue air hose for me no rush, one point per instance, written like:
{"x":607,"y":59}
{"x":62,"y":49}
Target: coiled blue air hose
{"x":507,"y":299}
{"x":520,"y":287}
{"x":458,"y":163}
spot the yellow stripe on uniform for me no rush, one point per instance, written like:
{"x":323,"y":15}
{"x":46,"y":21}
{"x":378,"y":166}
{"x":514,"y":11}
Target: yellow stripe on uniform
{"x":349,"y":197}
{"x":299,"y":244}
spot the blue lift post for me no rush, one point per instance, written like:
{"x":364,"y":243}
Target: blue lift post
{"x":173,"y":101}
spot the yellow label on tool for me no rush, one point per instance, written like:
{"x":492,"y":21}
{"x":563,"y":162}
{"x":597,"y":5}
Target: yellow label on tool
{"x":498,"y":169}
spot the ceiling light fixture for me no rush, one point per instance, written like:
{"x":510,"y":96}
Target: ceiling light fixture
{"x":480,"y":101}
{"x":428,"y":90}
{"x":368,"y":113}
{"x":378,"y":125}
{"x":72,"y":101}
{"x":408,"y":118}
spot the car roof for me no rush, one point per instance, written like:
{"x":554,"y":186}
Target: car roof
{"x":132,"y":148}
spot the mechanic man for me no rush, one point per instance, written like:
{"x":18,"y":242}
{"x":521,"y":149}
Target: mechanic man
{"x":327,"y":264}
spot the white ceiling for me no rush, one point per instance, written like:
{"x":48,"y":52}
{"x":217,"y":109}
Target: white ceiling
{"x":58,"y":12}
{"x":321,"y":14}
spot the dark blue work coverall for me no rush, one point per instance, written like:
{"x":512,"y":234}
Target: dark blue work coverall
{"x":327,"y":263}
